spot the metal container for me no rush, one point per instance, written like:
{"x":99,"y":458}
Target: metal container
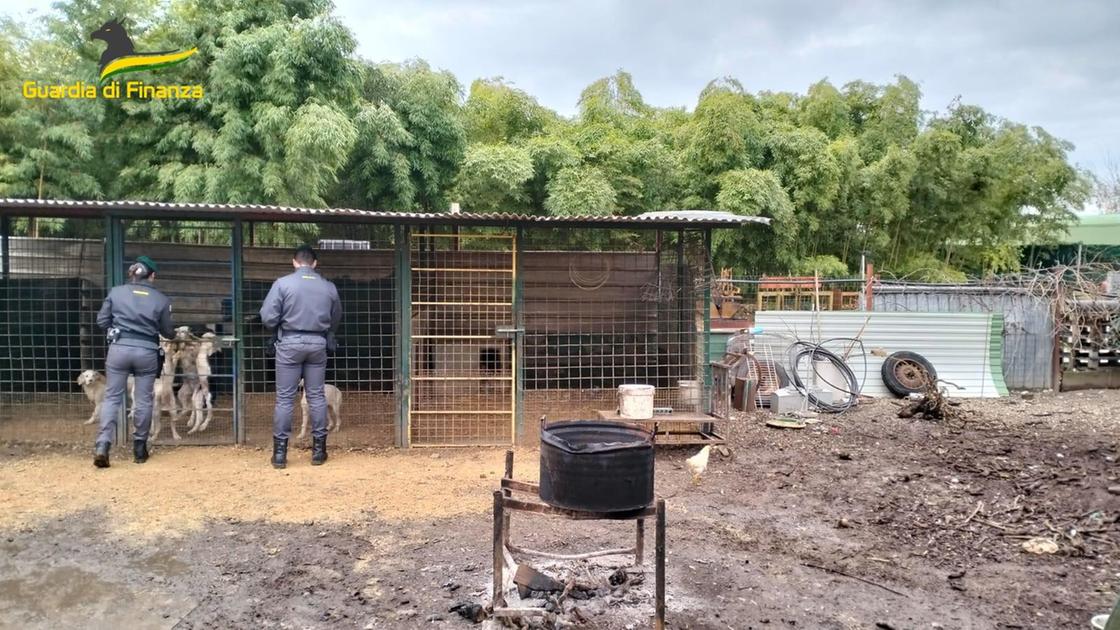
{"x":596,"y":466}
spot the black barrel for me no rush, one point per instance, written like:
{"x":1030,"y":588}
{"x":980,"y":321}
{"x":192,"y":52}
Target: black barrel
{"x":596,"y":466}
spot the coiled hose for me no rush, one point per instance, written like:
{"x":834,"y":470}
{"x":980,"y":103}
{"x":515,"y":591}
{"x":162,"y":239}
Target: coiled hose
{"x":801,"y":349}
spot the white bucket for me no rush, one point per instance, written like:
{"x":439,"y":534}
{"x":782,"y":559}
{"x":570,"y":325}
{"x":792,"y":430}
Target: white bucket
{"x":635,"y":402}
{"x":688,"y":395}
{"x":829,"y":378}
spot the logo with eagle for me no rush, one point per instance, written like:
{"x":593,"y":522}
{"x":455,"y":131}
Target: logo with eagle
{"x":120,"y":54}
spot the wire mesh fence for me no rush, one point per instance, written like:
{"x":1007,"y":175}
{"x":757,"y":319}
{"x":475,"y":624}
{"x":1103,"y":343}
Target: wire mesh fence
{"x":597,"y":320}
{"x":361,"y":265}
{"x":195,"y":261}
{"x":547,"y":324}
{"x":50,"y":292}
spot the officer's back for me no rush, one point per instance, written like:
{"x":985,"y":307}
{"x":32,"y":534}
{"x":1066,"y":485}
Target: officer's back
{"x":137,"y":309}
{"x":303,"y":301}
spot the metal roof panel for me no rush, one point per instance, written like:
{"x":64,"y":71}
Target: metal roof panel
{"x":94,"y":208}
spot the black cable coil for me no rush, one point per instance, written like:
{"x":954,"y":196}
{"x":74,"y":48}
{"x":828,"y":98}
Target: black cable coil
{"x":801,"y":349}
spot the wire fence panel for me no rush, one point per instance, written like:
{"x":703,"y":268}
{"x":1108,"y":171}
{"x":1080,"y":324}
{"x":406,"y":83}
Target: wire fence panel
{"x":50,"y":292}
{"x":462,"y":364}
{"x":361,"y":266}
{"x":195,"y":261}
{"x":595,"y":320}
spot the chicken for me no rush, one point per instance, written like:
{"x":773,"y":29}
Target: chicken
{"x":698,"y":463}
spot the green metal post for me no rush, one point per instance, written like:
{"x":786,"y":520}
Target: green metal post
{"x":238,"y":285}
{"x":707,"y":337}
{"x":519,"y":324}
{"x":403,"y":270}
{"x":682,"y":321}
{"x":5,"y":245}
{"x":114,"y":251}
{"x":114,"y":275}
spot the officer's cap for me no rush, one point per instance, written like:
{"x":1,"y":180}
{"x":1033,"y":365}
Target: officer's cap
{"x":148,"y":262}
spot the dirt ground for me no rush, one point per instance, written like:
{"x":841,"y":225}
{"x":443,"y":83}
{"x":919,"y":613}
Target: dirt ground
{"x":858,"y":521}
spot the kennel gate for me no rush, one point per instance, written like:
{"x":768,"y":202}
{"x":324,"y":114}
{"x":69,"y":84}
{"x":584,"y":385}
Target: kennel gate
{"x":463,"y":339}
{"x":199,"y":270}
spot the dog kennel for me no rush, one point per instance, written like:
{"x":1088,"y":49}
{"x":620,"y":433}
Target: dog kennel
{"x":458,"y":329}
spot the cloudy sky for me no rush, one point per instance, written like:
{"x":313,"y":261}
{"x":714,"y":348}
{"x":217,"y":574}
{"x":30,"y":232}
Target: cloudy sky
{"x":1053,"y":64}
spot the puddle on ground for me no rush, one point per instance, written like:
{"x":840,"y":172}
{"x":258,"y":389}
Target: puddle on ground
{"x":163,"y":563}
{"x":39,"y":595}
{"x":73,"y":597}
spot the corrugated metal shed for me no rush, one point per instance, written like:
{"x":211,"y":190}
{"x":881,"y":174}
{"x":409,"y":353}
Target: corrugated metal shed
{"x":1028,"y":324}
{"x":964,"y":348}
{"x":252,"y":212}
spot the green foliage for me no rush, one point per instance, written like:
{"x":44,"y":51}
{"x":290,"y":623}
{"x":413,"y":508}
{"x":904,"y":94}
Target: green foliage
{"x":825,"y":108}
{"x":580,"y":190}
{"x":293,"y":116}
{"x":493,"y":178}
{"x":825,"y":266}
{"x":924,"y":267}
{"x":46,"y":147}
{"x":498,"y":112}
{"x":427,"y":103}
{"x":759,"y":193}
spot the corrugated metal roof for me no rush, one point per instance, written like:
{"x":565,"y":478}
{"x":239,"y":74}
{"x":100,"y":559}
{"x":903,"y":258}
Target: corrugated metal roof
{"x":253,"y":212}
{"x":964,"y":348}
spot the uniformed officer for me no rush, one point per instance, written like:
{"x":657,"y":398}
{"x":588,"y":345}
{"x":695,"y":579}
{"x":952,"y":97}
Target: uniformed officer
{"x":134,"y":315}
{"x":304,"y":311}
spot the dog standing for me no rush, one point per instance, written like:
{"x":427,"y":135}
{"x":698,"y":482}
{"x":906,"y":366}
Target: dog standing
{"x":163,"y":394}
{"x":201,"y":399}
{"x":334,"y":409}
{"x":93,"y":385}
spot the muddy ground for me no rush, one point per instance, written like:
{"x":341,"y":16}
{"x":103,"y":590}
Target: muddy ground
{"x":858,"y":521}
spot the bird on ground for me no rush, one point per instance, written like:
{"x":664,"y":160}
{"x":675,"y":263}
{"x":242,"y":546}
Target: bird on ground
{"x":698,"y":463}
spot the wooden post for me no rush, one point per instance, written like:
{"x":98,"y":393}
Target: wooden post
{"x":659,"y":619}
{"x":640,"y":542}
{"x":868,"y":291}
{"x":499,"y":599}
{"x":506,"y":492}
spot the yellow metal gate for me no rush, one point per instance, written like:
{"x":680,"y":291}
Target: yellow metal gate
{"x":463,"y":344}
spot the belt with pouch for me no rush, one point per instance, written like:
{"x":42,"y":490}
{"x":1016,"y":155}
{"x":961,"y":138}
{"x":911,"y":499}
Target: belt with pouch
{"x":125,"y":334}
{"x":315,"y":333}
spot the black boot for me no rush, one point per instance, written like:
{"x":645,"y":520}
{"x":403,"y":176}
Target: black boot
{"x":101,"y":454}
{"x":139,"y":451}
{"x":318,"y":450}
{"x":279,"y":452}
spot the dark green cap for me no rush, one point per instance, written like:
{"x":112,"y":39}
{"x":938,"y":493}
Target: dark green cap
{"x":148,"y":262}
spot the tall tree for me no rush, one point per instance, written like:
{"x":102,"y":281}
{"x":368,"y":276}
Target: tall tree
{"x":47,"y":144}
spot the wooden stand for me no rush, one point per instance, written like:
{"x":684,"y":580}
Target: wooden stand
{"x":505,"y":503}
{"x":675,"y":429}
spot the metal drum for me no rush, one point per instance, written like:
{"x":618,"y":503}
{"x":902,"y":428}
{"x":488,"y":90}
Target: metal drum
{"x":596,"y":466}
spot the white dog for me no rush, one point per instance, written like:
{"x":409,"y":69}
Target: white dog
{"x":334,"y":408}
{"x":93,"y":384}
{"x":163,"y":395}
{"x":201,"y":399}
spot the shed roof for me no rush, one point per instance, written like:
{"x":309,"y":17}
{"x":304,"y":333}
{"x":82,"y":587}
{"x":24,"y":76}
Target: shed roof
{"x":1094,"y":229}
{"x":253,"y":212}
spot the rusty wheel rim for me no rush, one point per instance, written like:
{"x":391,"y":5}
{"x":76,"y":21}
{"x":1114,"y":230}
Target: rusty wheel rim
{"x":910,"y":374}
